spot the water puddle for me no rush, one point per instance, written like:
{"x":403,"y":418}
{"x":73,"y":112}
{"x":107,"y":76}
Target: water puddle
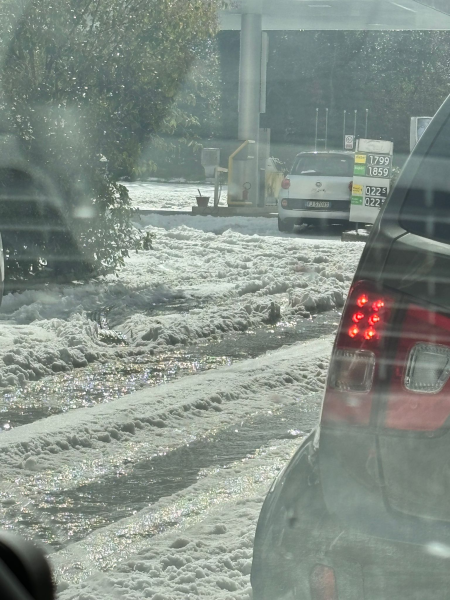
{"x":99,"y":383}
{"x":60,"y":519}
{"x":253,"y":343}
{"x":102,"y":382}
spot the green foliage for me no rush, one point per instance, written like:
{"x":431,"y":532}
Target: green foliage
{"x":394,"y":74}
{"x":87,"y":77}
{"x":174,"y":150}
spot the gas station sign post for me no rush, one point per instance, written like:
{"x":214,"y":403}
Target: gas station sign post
{"x":371,"y":181}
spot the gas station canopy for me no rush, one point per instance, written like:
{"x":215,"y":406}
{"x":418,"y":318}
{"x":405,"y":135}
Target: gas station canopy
{"x":254,"y":17}
{"x":340,"y":14}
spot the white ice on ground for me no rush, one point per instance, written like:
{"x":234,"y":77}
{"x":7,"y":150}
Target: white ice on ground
{"x":67,"y":451}
{"x":157,"y":194}
{"x":74,"y":448}
{"x":207,"y":554}
{"x":215,"y":275}
{"x":224,"y":282}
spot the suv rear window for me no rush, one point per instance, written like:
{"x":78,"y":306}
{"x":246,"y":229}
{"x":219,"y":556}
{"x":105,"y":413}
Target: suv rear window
{"x":426,"y":209}
{"x":316,"y":164}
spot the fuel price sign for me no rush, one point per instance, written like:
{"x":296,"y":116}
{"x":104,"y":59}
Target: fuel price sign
{"x":373,"y":165}
{"x":371,"y":181}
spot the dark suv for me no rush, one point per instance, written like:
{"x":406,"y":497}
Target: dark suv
{"x":363,"y":508}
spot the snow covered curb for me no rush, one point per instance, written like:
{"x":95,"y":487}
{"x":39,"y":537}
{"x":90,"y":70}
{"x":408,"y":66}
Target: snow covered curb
{"x":174,"y":195}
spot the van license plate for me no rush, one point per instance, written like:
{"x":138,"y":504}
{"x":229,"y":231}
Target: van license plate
{"x":315,"y":204}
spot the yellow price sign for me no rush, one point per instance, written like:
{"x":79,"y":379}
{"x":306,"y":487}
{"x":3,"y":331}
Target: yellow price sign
{"x":360,"y":158}
{"x":357,"y":190}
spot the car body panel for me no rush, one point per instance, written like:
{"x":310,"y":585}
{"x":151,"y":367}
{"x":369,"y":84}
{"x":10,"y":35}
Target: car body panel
{"x":412,"y":466}
{"x":384,"y":490}
{"x":313,"y":192}
{"x":313,"y":214}
{"x":297,"y":531}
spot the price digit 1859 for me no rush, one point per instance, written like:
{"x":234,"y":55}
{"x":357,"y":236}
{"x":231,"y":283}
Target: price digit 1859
{"x":378,"y":171}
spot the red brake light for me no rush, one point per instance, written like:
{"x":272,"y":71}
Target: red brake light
{"x":350,"y":186}
{"x":374,"y":319}
{"x":364,"y":317}
{"x":353,"y":367}
{"x":370,"y":333}
{"x":406,"y":368}
{"x":353,"y":331}
{"x":362,"y":300}
{"x":377,"y":305}
{"x":286,"y":183}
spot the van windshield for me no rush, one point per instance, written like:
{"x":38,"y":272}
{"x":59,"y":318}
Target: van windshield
{"x":328,"y":165}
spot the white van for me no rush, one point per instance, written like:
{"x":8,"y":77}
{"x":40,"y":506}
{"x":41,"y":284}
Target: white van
{"x":317,"y":191}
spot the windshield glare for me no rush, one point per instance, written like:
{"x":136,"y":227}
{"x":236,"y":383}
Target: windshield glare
{"x":225,"y":298}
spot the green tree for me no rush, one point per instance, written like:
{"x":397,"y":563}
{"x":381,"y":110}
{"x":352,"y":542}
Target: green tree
{"x":174,"y":149}
{"x":82,"y":78}
{"x":395,"y":74}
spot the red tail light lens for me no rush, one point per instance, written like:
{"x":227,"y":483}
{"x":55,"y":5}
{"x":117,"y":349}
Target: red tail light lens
{"x":286,"y":183}
{"x":322,"y":581}
{"x":419,"y":392}
{"x":362,"y":300}
{"x":350,"y":186}
{"x":348,"y":398}
{"x":370,"y":333}
{"x":378,"y":305}
{"x":374,"y":319}
{"x":358,"y":316}
{"x":404,"y":369}
{"x":353,"y":331}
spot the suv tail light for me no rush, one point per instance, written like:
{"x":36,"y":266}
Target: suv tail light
{"x":394,"y":353}
{"x":419,"y":392}
{"x":357,"y":355}
{"x":350,"y":186}
{"x":286,"y":183}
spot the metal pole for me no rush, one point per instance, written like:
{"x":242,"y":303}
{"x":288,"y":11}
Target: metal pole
{"x":354,"y":126}
{"x":250,"y":77}
{"x":326,"y":127}
{"x":367,"y":117}
{"x":216,"y":187}
{"x":250,"y":97}
{"x":317,"y":122}
{"x":343,"y":131}
{"x":264,"y":62}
